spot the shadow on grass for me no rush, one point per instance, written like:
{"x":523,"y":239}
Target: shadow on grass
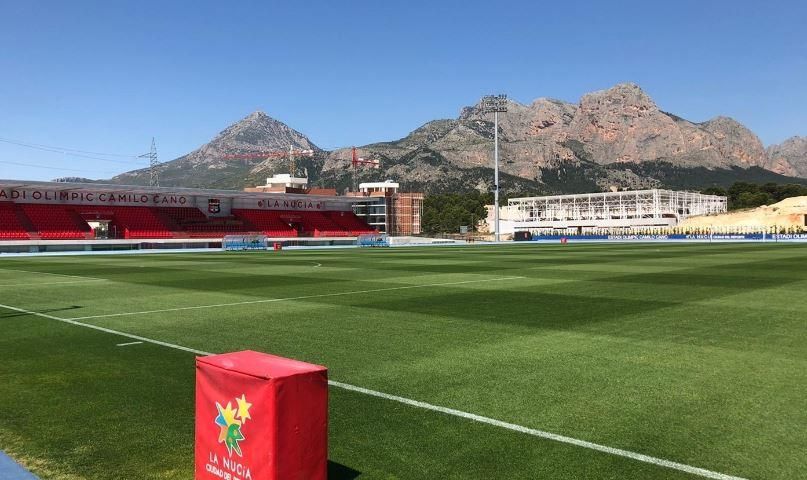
{"x":14,"y":313}
{"x":337,"y":471}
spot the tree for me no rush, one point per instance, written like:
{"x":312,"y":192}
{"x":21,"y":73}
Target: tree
{"x":715,"y":191}
{"x":447,"y":212}
{"x":751,"y":199}
{"x":750,"y":195}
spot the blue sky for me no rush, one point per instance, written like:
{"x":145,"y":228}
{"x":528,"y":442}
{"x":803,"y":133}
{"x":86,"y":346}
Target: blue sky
{"x":106,"y":76}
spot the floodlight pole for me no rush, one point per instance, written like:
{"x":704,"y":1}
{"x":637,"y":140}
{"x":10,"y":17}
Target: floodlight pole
{"x":496,"y":173}
{"x":495,"y":104}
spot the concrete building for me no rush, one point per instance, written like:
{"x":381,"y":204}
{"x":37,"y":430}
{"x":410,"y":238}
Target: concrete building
{"x":388,"y":210}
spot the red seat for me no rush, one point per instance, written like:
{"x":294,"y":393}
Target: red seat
{"x":10,"y":226}
{"x":62,"y":222}
{"x":195,"y":224}
{"x":55,"y":222}
{"x":266,"y":221}
{"x":320,"y":225}
{"x":349,"y":222}
{"x":136,"y":222}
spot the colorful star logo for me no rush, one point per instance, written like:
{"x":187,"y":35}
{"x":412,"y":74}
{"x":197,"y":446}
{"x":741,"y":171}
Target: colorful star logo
{"x":230,"y":421}
{"x":243,"y":408}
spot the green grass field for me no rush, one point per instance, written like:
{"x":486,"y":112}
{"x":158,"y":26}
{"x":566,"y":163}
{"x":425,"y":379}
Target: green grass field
{"x":696,"y":354}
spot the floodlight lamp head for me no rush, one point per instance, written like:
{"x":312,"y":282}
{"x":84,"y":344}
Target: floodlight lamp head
{"x":494,"y":103}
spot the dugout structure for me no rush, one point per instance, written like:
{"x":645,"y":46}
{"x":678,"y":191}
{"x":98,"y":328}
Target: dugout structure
{"x":234,"y":243}
{"x":373,"y":240}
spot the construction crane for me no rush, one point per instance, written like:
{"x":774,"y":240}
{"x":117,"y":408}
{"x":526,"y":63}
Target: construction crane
{"x":356,"y":161}
{"x":292,"y":154}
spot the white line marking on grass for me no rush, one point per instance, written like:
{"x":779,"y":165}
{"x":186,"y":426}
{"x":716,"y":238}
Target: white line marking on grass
{"x":287,"y":299}
{"x":48,"y":273}
{"x":128,"y":343}
{"x":434,"y":408}
{"x":50,"y":283}
{"x":540,"y":433}
{"x":317,"y":264}
{"x":105,"y":330}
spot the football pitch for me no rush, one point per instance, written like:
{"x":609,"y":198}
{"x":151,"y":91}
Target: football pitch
{"x":530,"y":361}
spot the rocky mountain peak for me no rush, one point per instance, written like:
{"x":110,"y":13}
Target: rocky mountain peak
{"x":624,"y":99}
{"x":735,"y":141}
{"x":613,"y":136}
{"x":792,"y":142}
{"x":257,"y":132}
{"x":257,"y":114}
{"x":723,"y":122}
{"x":790,"y":156}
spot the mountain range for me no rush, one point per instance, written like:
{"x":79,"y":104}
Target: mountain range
{"x":616,"y":137}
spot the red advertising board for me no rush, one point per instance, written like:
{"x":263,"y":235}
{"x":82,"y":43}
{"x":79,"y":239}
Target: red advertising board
{"x":260,"y":417}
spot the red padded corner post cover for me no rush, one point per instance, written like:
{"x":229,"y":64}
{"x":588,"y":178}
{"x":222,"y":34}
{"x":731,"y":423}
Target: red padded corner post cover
{"x":260,"y":417}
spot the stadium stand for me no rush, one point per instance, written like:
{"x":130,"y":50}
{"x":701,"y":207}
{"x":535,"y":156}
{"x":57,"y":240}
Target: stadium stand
{"x":318,"y":224}
{"x":20,"y":221}
{"x":266,"y":221}
{"x":196,"y":224}
{"x":37,"y":211}
{"x":11,"y":228}
{"x":349,"y":222}
{"x":139,"y":222}
{"x":56,"y":222}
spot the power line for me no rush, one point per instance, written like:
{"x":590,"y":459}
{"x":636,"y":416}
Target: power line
{"x":46,"y":167}
{"x":71,"y":151}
